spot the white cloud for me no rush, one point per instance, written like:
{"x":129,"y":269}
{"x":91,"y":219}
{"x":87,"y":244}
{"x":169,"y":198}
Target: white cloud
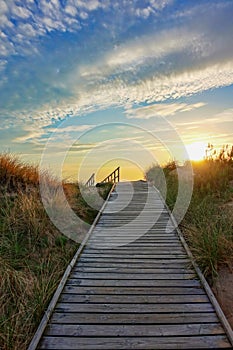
{"x":21,"y":12}
{"x":73,"y":128}
{"x":31,"y":135}
{"x":45,"y":17}
{"x":34,"y":135}
{"x":153,"y":7}
{"x":160,"y":4}
{"x":137,"y":52}
{"x":225,"y":116}
{"x":5,"y":22}
{"x":71,"y":10}
{"x":6,"y":48}
{"x":199,"y":122}
{"x":184,"y":83}
{"x":103,"y":95}
{"x":3,"y":6}
{"x":162,"y":110}
{"x":144,"y":12}
{"x":26,"y":27}
{"x":157,"y":88}
{"x":89,"y":5}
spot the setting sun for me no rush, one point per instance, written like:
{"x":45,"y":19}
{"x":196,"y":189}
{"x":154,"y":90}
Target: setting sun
{"x":196,"y":150}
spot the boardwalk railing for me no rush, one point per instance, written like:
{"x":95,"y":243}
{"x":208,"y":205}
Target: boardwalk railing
{"x":91,"y":181}
{"x":113,"y":177}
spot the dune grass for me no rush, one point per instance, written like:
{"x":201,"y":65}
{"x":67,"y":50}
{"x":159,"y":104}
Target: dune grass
{"x":33,"y":253}
{"x":208,"y":223}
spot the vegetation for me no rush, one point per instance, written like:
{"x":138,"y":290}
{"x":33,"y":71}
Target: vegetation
{"x":208,"y":223}
{"x":33,"y":253}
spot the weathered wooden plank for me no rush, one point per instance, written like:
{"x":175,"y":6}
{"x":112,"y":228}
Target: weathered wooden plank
{"x":134,"y":259}
{"x":126,"y":318}
{"x":154,"y":265}
{"x":130,"y":269}
{"x":133,"y":282}
{"x":135,"y":308}
{"x":133,"y":275}
{"x":132,"y":290}
{"x":116,"y":229}
{"x":150,"y":211}
{"x":122,"y":226}
{"x":184,"y":342}
{"x":138,"y":235}
{"x":134,"y":222}
{"x":154,"y":230}
{"x":136,"y":244}
{"x":129,"y":250}
{"x":130,"y":242}
{"x":161,"y":214}
{"x":131,"y":299}
{"x":111,"y":245}
{"x":153,"y":239}
{"x":112,"y":251}
{"x":131,"y":330}
{"x":135,"y":255}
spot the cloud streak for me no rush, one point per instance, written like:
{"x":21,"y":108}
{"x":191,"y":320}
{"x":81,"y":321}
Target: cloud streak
{"x":161,"y":110}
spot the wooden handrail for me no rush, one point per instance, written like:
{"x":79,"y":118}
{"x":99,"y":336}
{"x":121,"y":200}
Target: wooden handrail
{"x":91,"y":181}
{"x":113,"y":177}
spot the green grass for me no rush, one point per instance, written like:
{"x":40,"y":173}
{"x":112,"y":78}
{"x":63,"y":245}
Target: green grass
{"x":33,"y":253}
{"x":208,"y":223}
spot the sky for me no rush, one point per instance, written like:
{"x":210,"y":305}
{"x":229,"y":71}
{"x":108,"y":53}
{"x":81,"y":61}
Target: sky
{"x":87,"y":85}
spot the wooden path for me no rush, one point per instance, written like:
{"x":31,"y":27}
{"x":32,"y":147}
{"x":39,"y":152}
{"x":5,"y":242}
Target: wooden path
{"x":134,"y":286}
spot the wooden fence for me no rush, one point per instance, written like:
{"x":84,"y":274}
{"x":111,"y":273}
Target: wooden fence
{"x":91,"y":180}
{"x":113,"y":177}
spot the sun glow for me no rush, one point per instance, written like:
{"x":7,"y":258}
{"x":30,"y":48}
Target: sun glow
{"x":196,"y":150}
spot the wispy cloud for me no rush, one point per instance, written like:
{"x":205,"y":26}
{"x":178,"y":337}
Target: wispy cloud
{"x":217,"y":118}
{"x":133,"y":54}
{"x":162,"y":110}
{"x":34,"y":136}
{"x":73,"y":128}
{"x":30,"y":135}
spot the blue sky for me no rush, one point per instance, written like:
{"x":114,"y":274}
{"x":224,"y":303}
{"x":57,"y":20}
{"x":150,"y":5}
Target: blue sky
{"x":114,"y":81}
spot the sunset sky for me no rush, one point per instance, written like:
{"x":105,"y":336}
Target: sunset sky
{"x":93,"y":84}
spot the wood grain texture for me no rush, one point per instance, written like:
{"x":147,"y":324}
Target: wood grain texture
{"x":184,"y":342}
{"x":134,"y":286}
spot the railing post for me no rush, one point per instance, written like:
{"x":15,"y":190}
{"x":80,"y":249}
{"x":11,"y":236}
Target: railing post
{"x":114,"y":176}
{"x":90,"y":181}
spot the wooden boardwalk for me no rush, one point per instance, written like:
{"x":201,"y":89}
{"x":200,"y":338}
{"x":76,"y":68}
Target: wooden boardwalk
{"x":134,"y":285}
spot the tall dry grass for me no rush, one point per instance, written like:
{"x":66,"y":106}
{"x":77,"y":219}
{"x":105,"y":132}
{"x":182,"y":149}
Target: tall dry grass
{"x":208,"y":223}
{"x":33,"y":253}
